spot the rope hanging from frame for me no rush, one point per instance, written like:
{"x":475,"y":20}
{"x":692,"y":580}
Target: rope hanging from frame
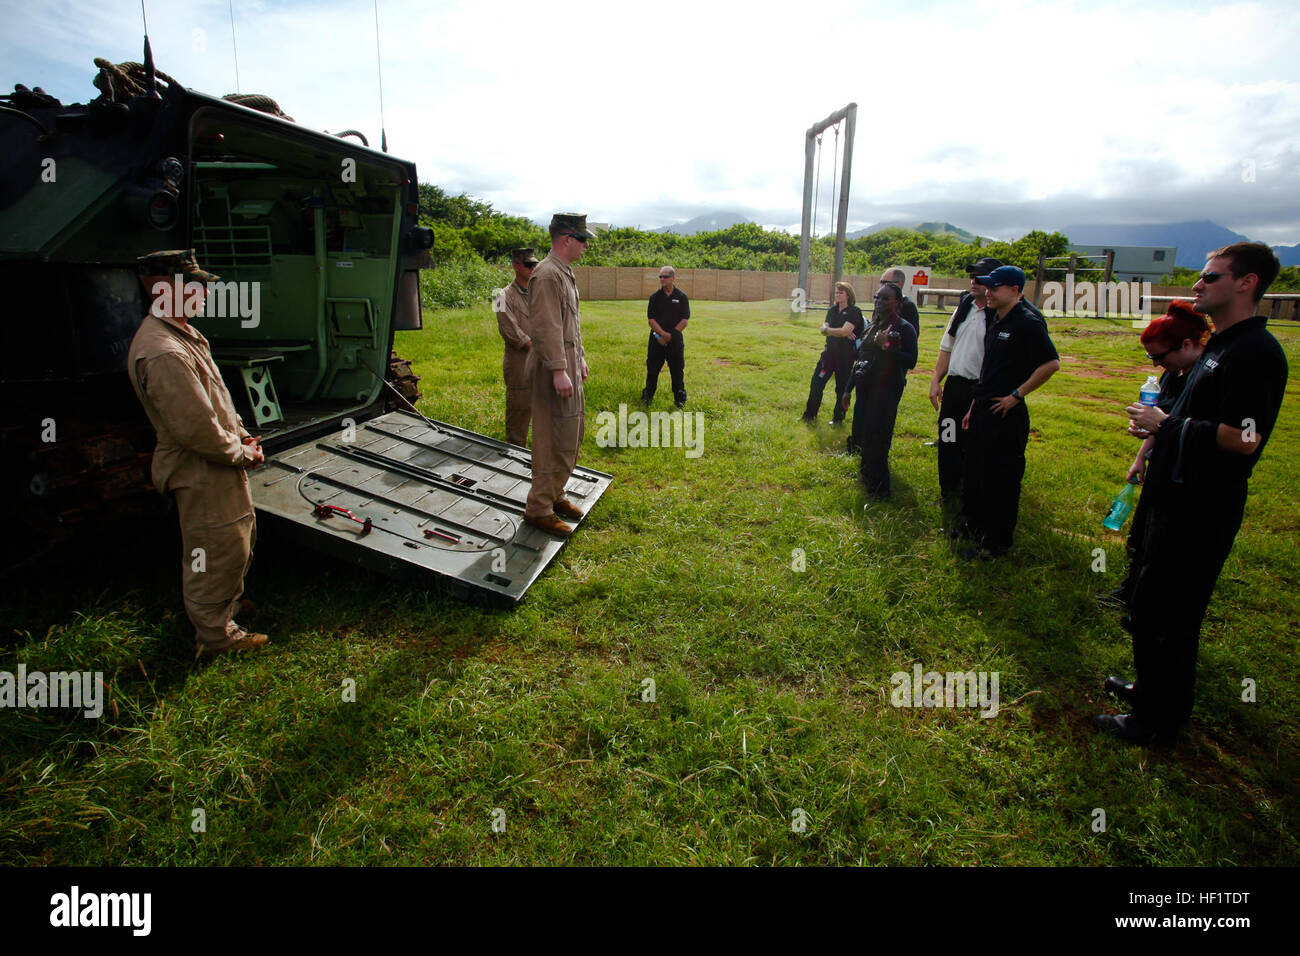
{"x":817,"y":186}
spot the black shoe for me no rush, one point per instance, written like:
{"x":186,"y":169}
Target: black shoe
{"x":1121,"y":689}
{"x":1117,"y":598}
{"x":837,"y":422}
{"x":1129,"y":729}
{"x":679,"y":400}
{"x":807,"y":421}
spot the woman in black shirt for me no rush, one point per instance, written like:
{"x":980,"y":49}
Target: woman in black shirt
{"x":842,"y":328}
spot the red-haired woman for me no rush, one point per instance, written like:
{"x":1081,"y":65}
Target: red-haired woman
{"x":1174,"y":342}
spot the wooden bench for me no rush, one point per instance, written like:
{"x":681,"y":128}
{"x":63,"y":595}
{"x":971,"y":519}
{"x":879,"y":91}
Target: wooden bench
{"x":941,"y":294}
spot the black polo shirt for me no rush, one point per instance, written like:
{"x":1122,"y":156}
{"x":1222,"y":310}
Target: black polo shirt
{"x":668,"y":310}
{"x":1238,"y":381}
{"x":907,"y":309}
{"x":1014,"y":346}
{"x":842,"y":349}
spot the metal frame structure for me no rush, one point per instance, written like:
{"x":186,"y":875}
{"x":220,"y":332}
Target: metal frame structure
{"x":1040,"y":274}
{"x":850,"y":117}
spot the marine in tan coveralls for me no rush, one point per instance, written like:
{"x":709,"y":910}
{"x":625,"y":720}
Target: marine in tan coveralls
{"x":512,"y":320}
{"x":557,"y":365}
{"x":203,"y":451}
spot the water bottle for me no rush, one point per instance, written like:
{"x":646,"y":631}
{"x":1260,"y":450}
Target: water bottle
{"x":1121,"y":506}
{"x":1150,"y":392}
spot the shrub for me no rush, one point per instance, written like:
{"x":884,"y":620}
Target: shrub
{"x":461,"y":281}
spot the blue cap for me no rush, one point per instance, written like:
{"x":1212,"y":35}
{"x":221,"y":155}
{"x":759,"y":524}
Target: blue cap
{"x":1003,"y":275}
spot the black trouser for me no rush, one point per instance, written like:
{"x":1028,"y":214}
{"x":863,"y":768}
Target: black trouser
{"x":874,"y":414}
{"x":826,"y":365}
{"x":1182,"y":551}
{"x":953,"y":441}
{"x":1133,"y":545}
{"x":995,"y":467}
{"x":655,"y":354}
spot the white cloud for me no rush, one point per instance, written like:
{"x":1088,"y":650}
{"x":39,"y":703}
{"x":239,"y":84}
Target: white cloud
{"x":621,"y":110}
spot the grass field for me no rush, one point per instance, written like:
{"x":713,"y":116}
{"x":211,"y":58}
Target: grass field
{"x":771,"y":685}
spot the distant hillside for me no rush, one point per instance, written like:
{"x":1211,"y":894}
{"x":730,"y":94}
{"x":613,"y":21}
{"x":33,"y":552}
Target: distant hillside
{"x":1289,"y":255}
{"x":709,"y":222}
{"x":1193,"y":239}
{"x":929,"y":228}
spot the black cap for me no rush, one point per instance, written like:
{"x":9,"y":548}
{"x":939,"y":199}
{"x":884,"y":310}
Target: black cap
{"x":983,"y":267}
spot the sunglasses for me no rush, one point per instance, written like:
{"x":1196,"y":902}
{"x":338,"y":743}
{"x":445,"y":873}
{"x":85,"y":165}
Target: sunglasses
{"x":529,"y":265}
{"x":574,"y":235}
{"x":1160,"y":355}
{"x":668,"y":277}
{"x":1209,"y":278}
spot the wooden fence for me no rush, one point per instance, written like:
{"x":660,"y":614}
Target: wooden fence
{"x":724,"y":285}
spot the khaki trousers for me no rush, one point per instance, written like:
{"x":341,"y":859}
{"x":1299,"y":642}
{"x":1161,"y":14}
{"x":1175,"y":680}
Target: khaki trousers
{"x":217,"y":522}
{"x":519,"y":396}
{"x":558,"y":427}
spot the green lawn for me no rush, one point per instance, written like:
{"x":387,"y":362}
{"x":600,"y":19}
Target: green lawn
{"x":771,"y":686}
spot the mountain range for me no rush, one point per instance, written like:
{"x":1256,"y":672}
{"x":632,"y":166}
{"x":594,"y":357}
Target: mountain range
{"x":709,"y":222}
{"x":929,"y":228}
{"x":1192,"y":239}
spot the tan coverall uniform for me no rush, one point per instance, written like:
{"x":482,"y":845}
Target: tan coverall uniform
{"x":514,"y":325}
{"x":558,"y":423}
{"x":201,"y":460}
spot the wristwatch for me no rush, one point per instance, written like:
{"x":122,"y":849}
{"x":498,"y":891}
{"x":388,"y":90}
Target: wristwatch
{"x":1015,"y":392}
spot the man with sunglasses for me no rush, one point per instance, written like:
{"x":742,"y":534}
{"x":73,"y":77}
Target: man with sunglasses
{"x":557,"y":367}
{"x":668,"y":312}
{"x":956,"y":370}
{"x":1205,"y":449}
{"x":512,"y":321}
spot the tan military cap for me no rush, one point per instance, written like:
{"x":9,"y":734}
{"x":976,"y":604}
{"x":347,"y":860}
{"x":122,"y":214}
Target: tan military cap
{"x":573,"y":223}
{"x":174,"y":262}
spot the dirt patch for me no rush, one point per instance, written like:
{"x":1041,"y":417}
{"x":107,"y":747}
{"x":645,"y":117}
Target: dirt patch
{"x":1090,"y":333}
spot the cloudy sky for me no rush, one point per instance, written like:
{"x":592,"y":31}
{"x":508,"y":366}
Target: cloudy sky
{"x":998,"y":116}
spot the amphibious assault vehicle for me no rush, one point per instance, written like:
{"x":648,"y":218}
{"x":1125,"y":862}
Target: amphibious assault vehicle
{"x":317,"y":243}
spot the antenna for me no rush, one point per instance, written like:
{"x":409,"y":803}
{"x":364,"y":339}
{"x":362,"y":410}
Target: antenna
{"x":231,"y":4}
{"x":383,"y":133}
{"x":150,"y":74}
